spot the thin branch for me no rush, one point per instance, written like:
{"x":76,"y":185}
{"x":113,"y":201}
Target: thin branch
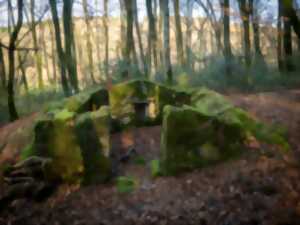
{"x":18,"y":48}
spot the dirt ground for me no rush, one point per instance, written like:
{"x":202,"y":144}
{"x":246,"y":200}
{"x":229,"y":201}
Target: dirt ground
{"x":261,"y":188}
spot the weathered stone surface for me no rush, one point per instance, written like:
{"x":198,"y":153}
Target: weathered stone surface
{"x":79,"y":147}
{"x":212,"y":129}
{"x":55,"y":139}
{"x":191,"y":139}
{"x":124,"y":96}
{"x":93,"y":134}
{"x":214,"y":104}
{"x":83,"y":102}
{"x":210,"y":102}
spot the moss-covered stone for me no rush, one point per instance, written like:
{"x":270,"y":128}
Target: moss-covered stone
{"x":85,"y":101}
{"x":93,"y":134}
{"x":123,"y":97}
{"x":210,"y":102}
{"x":79,"y":147}
{"x":191,"y":139}
{"x":55,"y":139}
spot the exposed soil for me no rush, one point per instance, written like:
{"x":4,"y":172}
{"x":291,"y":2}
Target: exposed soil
{"x":261,"y":188}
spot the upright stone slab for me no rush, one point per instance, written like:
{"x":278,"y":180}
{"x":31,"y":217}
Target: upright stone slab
{"x":55,"y":138}
{"x":93,"y":134}
{"x":192,"y":139}
{"x":79,"y":147}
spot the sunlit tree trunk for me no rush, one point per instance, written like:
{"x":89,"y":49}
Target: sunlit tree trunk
{"x":2,"y":69}
{"x":89,"y":48}
{"x":37,"y":54}
{"x":123,"y":27}
{"x":70,"y":52}
{"x":245,"y":15}
{"x":152,"y":37}
{"x":140,"y":42}
{"x":59,"y":48}
{"x":188,"y":41}
{"x":53,"y":53}
{"x":45,"y":53}
{"x":23,"y":71}
{"x":106,"y":38}
{"x":11,"y":62}
{"x":179,"y":39}
{"x":160,"y":34}
{"x":166,"y":37}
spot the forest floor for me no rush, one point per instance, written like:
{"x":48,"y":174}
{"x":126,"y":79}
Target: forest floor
{"x":261,"y":188}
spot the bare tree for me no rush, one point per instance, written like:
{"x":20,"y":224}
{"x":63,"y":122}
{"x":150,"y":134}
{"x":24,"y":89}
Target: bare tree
{"x":225,"y":5}
{"x":89,"y":48}
{"x":11,"y":62}
{"x":106,"y":37}
{"x":2,"y":69}
{"x":37,"y":54}
{"x":166,"y":42}
{"x":179,"y":39}
{"x":138,"y":32}
{"x":244,"y":7}
{"x":59,"y":48}
{"x":152,"y":36}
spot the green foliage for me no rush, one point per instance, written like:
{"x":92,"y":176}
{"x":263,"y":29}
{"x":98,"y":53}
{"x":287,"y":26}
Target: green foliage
{"x":64,"y":115}
{"x":139,"y":160}
{"x":155,"y":168}
{"x":259,"y":77}
{"x":27,"y":152}
{"x":126,"y":184}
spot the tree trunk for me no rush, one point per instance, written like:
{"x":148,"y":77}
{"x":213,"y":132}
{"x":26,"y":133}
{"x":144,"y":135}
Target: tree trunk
{"x":152,"y":37}
{"x":106,"y":38}
{"x":166,"y":37}
{"x":2,"y":69}
{"x":45,"y":53}
{"x":279,"y":37}
{"x":59,"y":48}
{"x":179,"y":39}
{"x":160,"y":34}
{"x":288,"y":47}
{"x":11,"y":62}
{"x":89,"y":47}
{"x":129,"y":38}
{"x":225,"y":5}
{"x":53,"y":54}
{"x":245,"y":15}
{"x":123,"y":27}
{"x":37,"y":54}
{"x":256,"y":34}
{"x":290,"y":13}
{"x":23,"y":72}
{"x":140,"y":42}
{"x":188,"y":42}
{"x":70,"y":53}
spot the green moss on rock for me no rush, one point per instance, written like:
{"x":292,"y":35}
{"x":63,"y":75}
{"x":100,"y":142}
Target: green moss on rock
{"x":79,"y":147}
{"x":192,"y":139}
{"x":124,"y":95}
{"x":93,"y":134}
{"x":90,"y":100}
